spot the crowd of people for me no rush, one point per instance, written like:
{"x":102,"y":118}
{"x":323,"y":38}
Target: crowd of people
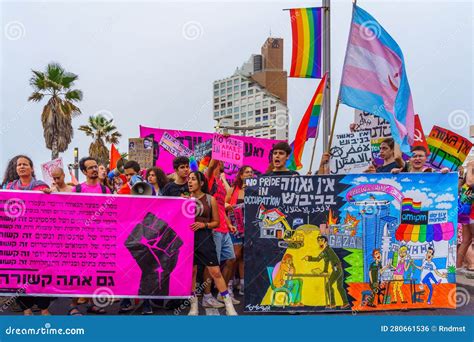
{"x":219,"y":244}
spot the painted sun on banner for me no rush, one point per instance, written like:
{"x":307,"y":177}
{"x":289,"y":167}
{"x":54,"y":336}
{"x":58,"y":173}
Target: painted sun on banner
{"x":351,"y":242}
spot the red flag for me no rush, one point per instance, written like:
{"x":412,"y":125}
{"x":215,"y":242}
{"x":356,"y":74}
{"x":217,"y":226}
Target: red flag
{"x":419,"y":138}
{"x":114,"y":157}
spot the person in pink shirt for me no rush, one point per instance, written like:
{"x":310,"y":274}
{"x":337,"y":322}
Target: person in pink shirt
{"x":26,"y":181}
{"x":399,"y":273}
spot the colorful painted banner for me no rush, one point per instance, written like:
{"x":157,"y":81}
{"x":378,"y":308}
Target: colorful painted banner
{"x":84,"y":245}
{"x":351,"y":153}
{"x":448,"y":149}
{"x":257,"y":152}
{"x":344,"y":242}
{"x":174,"y":146}
{"x":47,"y":167}
{"x":203,"y":150}
{"x":227,"y":149}
{"x":141,"y":150}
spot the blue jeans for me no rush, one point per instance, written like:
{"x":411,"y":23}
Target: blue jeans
{"x":427,"y":281}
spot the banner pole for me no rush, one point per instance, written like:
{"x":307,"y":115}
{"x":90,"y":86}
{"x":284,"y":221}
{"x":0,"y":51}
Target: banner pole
{"x":327,"y":69}
{"x":333,"y":125}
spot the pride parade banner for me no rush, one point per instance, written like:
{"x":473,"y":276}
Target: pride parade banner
{"x":95,"y":245}
{"x":447,"y":148}
{"x":227,"y":149}
{"x":257,"y":151}
{"x":355,"y":242}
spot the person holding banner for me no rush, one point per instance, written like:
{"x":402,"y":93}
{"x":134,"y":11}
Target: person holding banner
{"x":179,"y":186}
{"x":221,"y":235}
{"x":235,"y":196}
{"x":26,"y":181}
{"x":280,"y":154}
{"x":205,"y":254}
{"x":417,"y":162}
{"x":10,"y":173}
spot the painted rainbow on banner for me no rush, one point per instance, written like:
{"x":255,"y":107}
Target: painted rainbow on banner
{"x":409,"y":205}
{"x":425,"y":232}
{"x":306,"y":28}
{"x":308,"y":127}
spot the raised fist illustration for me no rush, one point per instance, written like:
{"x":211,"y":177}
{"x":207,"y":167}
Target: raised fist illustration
{"x":155,"y":247}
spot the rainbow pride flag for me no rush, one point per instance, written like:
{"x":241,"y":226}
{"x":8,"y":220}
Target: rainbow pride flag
{"x":308,"y":127}
{"x":306,"y":28}
{"x":425,"y":232}
{"x":409,"y":205}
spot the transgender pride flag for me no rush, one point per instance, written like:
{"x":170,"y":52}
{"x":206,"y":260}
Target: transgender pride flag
{"x":374,"y":77}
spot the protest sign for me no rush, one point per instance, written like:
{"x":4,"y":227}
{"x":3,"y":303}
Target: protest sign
{"x":47,"y":167}
{"x":309,"y":242}
{"x":84,"y":245}
{"x":202,"y":150}
{"x":236,"y":216}
{"x":174,"y":146}
{"x":227,"y":149}
{"x":257,"y":151}
{"x":379,"y":127}
{"x":351,"y":153}
{"x":141,"y":150}
{"x":447,"y":148}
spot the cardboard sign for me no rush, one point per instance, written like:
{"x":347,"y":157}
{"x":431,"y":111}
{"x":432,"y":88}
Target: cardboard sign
{"x":351,"y":153}
{"x":202,"y":150}
{"x":141,"y":150}
{"x":174,"y":146}
{"x":447,"y":148}
{"x":228,"y":149}
{"x":47,"y":167}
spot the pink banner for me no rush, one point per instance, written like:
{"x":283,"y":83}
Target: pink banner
{"x":103,"y":245}
{"x":363,"y":188}
{"x":256,"y":151}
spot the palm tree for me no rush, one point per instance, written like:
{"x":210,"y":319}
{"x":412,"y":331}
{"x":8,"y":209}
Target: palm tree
{"x":102,"y":131}
{"x":59,"y":111}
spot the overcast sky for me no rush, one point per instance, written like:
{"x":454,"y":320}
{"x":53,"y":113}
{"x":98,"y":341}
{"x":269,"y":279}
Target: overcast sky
{"x":153,"y":63}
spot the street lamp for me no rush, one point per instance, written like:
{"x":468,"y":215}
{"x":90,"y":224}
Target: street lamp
{"x":76,"y":162}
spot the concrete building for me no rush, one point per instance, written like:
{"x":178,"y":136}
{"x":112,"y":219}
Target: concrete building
{"x":253,"y":100}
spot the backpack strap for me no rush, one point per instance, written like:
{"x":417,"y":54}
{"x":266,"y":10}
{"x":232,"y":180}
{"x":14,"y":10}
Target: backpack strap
{"x":104,"y":189}
{"x":78,"y":188}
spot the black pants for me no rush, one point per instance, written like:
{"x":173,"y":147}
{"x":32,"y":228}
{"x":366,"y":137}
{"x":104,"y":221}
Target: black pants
{"x":27,"y":302}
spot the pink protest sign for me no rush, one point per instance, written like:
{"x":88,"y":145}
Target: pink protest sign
{"x":79,"y":244}
{"x":257,"y":151}
{"x":46,"y":169}
{"x":227,"y":149}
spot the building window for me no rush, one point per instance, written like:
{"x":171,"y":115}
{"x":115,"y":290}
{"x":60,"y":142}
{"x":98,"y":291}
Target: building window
{"x":222,"y":105}
{"x":229,"y":104}
{"x":216,"y":92}
{"x":243,"y":86}
{"x":250,"y":113}
{"x":222,"y":91}
{"x":265,"y":118}
{"x":236,"y":116}
{"x":243,"y":93}
{"x":236,"y":109}
{"x":250,"y":91}
{"x":244,"y":115}
{"x":216,"y":107}
{"x":216,"y":100}
{"x":265,"y":102}
{"x":257,"y":104}
{"x":273,"y":108}
{"x":251,"y":105}
{"x":258,"y":112}
{"x":273,"y":131}
{"x":216,"y":85}
{"x":236,"y":81}
{"x":229,"y":83}
{"x":265,"y":110}
{"x":243,"y":122}
{"x":244,"y":107}
{"x":222,"y":112}
{"x":236,"y":123}
{"x":229,"y":110}
{"x":216,"y":114}
{"x":257,"y":119}
{"x":229,"y":90}
{"x":236,"y":88}
{"x":229,"y":97}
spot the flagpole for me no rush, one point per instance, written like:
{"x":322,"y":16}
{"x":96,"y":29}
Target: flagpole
{"x":316,"y":138}
{"x":326,"y":69}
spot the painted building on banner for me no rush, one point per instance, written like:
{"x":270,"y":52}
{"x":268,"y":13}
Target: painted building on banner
{"x":253,"y":101}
